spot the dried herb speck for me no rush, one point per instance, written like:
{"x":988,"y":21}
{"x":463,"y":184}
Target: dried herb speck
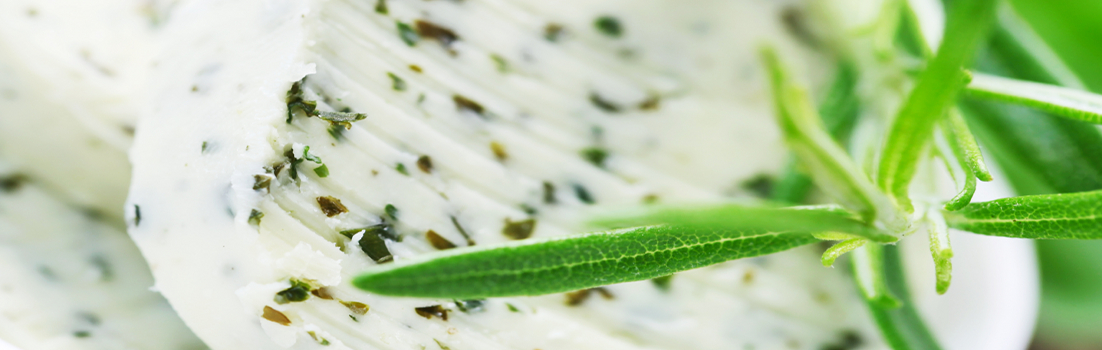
{"x":499,"y":151}
{"x":437,"y":241}
{"x":425,"y":164}
{"x":137,"y":215}
{"x":519,"y":229}
{"x":380,"y":7}
{"x":435,"y":31}
{"x":432,"y":311}
{"x":583,"y":194}
{"x":331,"y":206}
{"x":609,"y":26}
{"x":579,"y":297}
{"x":415,"y":68}
{"x":262,"y":182}
{"x":549,"y":193}
{"x":603,"y":104}
{"x":465,"y":104}
{"x":299,"y":291}
{"x":12,"y":182}
{"x":255,"y":216}
{"x":553,"y":32}
{"x":322,"y":293}
{"x":650,"y":104}
{"x":595,"y":155}
{"x":396,"y":83}
{"x":511,"y":307}
{"x":274,"y":315}
{"x":662,"y":283}
{"x":500,"y":62}
{"x":356,"y":307}
{"x":82,"y":334}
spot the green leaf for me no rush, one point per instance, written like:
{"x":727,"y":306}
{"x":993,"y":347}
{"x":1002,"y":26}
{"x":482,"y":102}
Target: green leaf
{"x":742,"y":217}
{"x":825,"y":161}
{"x":949,"y":147}
{"x":935,"y":91}
{"x":868,"y":271}
{"x":840,"y":248}
{"x":940,"y":249}
{"x":902,"y":327}
{"x":839,"y":111}
{"x":964,"y":144}
{"x":535,"y":267}
{"x":1046,"y":216}
{"x":1060,"y":101}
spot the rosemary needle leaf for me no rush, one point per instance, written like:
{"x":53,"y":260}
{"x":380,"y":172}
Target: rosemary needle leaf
{"x":535,"y":267}
{"x":901,"y":327}
{"x":742,"y":217}
{"x":931,"y":97}
{"x":964,"y":144}
{"x":954,"y":155}
{"x":1061,"y":101}
{"x":868,"y":270}
{"x":1050,"y":216}
{"x":826,"y":162}
{"x":940,"y":249}
{"x":840,"y":248}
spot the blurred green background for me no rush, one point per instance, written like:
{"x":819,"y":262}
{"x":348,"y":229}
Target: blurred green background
{"x":1071,"y":307}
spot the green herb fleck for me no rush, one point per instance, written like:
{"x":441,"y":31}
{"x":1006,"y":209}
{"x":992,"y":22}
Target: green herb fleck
{"x":432,"y":311}
{"x":373,"y":241}
{"x":299,"y":291}
{"x":322,"y":171}
{"x":203,"y":149}
{"x":519,"y":229}
{"x":336,"y":131}
{"x":295,"y":101}
{"x":662,"y":283}
{"x":441,"y":344}
{"x":609,"y":26}
{"x":391,"y":211}
{"x":380,"y":7}
{"x":396,"y":83}
{"x":255,"y":216}
{"x":262,"y":182}
{"x":331,"y":206}
{"x":553,"y":32}
{"x":549,"y":193}
{"x":137,"y":215}
{"x":12,"y":182}
{"x":511,"y":307}
{"x":82,"y":334}
{"x":603,"y":104}
{"x":650,"y":104}
{"x":401,"y":168}
{"x":500,"y":62}
{"x":760,"y":185}
{"x":595,"y":155}
{"x":470,"y":305}
{"x":583,"y":194}
{"x":465,"y":104}
{"x":322,"y":341}
{"x":408,"y":35}
{"x":344,"y":119}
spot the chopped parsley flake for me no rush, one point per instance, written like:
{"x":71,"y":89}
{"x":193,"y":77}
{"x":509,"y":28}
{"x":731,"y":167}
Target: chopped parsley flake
{"x":322,"y":171}
{"x":380,"y":7}
{"x":401,"y":168}
{"x":511,"y":307}
{"x":262,"y":182}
